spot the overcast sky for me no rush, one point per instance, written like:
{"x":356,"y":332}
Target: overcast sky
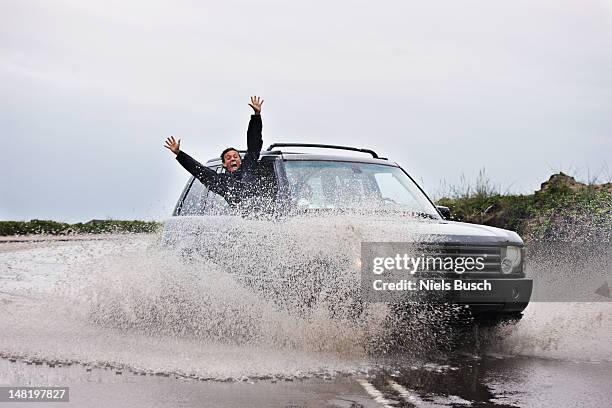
{"x":89,"y":90}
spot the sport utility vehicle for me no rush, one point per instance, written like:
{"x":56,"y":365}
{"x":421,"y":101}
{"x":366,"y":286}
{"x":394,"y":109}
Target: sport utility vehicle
{"x":321,"y":185}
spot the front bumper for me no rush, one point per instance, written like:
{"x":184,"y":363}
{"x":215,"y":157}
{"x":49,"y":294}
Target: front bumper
{"x":482,"y":295}
{"x":505,"y":295}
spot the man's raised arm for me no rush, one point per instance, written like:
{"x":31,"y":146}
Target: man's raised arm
{"x":207,"y":176}
{"x":254,"y":138}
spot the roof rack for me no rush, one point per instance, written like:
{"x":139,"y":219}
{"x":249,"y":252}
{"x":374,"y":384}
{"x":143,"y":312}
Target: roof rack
{"x":324,"y":146}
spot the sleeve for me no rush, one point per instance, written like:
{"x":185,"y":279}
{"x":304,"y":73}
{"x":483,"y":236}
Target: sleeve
{"x":254,"y":138}
{"x":254,"y":141}
{"x":206,"y":175}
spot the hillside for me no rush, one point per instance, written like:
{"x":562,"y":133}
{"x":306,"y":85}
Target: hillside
{"x":562,"y":207}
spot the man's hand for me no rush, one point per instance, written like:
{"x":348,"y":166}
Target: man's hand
{"x":173,"y":145}
{"x":256,"y":103}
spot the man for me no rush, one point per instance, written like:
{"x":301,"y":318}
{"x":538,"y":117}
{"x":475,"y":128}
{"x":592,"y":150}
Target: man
{"x":239,"y":181}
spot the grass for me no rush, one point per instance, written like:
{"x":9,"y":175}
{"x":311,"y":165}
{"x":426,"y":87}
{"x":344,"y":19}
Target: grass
{"x":12,"y":228}
{"x":559,"y":209}
{"x":483,"y":187}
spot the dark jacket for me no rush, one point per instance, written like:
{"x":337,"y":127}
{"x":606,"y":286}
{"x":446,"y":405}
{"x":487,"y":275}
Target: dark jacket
{"x":236,"y":186}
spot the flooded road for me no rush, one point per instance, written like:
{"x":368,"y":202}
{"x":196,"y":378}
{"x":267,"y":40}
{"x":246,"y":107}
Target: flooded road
{"x":123,"y":323}
{"x":465,"y":382}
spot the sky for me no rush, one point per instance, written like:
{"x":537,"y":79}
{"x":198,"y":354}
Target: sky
{"x":90,"y":89}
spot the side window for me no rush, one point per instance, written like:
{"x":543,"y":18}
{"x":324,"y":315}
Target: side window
{"x":215,"y":204}
{"x":193,"y":204}
{"x":201,"y":201}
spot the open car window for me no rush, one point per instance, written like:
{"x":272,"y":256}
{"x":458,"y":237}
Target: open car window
{"x":199,"y":200}
{"x":193,"y":203}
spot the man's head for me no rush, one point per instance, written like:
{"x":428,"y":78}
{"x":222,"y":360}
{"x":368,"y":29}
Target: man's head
{"x":231,"y":159}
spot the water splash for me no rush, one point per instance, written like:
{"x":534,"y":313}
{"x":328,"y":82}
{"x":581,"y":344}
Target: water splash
{"x":203,"y":306}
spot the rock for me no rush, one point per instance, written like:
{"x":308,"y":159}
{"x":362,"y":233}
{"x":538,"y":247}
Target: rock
{"x":561,"y":181}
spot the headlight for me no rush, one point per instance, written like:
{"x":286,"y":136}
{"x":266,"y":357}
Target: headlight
{"x":511,"y":259}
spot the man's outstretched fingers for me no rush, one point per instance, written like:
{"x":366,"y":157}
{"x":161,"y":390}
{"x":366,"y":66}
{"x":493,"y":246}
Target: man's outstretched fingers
{"x":256,"y":102}
{"x":173,"y":145}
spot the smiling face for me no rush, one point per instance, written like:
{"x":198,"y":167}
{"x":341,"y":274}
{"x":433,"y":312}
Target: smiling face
{"x":231,"y":160}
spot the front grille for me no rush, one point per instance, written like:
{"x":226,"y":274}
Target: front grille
{"x":491,"y":255}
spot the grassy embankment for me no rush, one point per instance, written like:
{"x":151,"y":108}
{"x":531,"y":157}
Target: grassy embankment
{"x":58,"y":228}
{"x":562,"y":207}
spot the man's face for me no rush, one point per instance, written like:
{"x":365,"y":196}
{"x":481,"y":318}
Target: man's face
{"x":232,"y":161}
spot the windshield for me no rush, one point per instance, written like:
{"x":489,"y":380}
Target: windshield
{"x":346,"y":185}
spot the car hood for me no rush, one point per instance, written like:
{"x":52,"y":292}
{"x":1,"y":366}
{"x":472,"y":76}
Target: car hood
{"x":363,"y":229}
{"x":461,"y":232}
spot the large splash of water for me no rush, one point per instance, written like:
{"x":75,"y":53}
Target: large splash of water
{"x":248,"y":298}
{"x":257,"y":299}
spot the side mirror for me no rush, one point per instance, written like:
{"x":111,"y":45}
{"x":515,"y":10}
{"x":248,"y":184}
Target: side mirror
{"x":444,"y":212}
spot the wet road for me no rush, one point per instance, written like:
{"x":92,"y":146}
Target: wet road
{"x":462,"y":382}
{"x":559,"y":355}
